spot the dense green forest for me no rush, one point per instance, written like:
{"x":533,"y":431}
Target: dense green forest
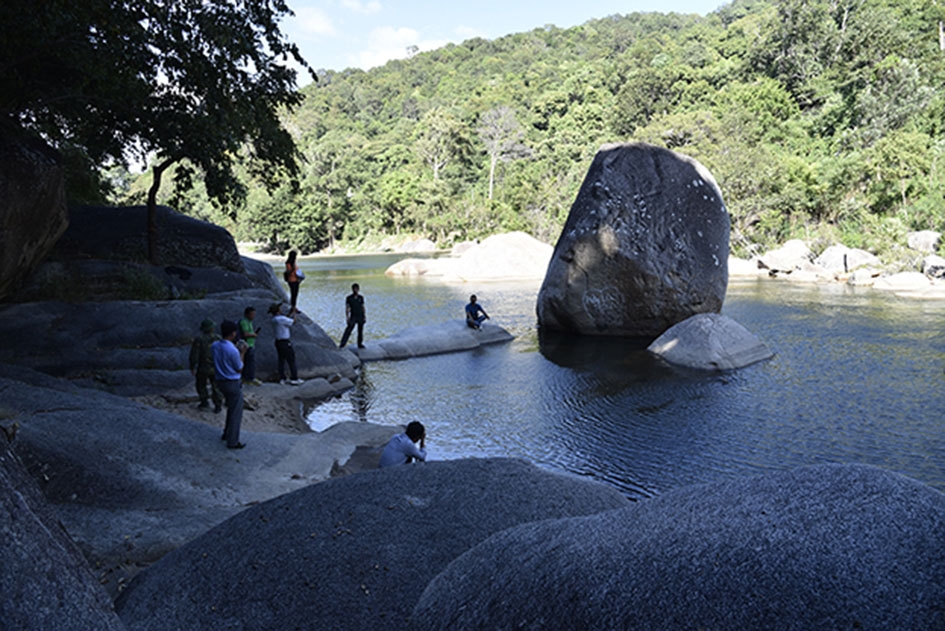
{"x":820,"y":119}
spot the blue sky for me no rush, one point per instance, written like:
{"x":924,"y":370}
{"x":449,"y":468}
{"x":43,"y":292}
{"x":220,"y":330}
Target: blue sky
{"x":339,"y":34}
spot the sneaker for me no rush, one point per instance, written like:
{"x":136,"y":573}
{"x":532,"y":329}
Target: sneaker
{"x":283,"y":382}
{"x":360,"y":345}
{"x":256,"y":382}
{"x":296,"y":382}
{"x":203,"y":404}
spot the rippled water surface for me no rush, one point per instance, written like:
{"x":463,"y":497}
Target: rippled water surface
{"x":857,"y":377}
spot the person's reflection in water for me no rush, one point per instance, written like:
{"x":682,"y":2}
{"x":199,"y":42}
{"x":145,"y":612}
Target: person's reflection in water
{"x":362,"y":396}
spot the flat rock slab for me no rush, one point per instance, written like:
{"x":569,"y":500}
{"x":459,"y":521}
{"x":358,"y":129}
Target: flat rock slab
{"x":350,"y":553}
{"x":823,"y":547}
{"x":710,"y":341}
{"x":131,"y":482}
{"x":446,"y":337}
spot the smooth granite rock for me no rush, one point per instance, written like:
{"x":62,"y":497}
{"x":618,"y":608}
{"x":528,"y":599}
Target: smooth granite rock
{"x":33,"y":211}
{"x":131,"y":482}
{"x":45,"y":582}
{"x":501,"y":257}
{"x":903,"y":281}
{"x":351,"y":553}
{"x":839,"y":259}
{"x":432,"y":339}
{"x":710,"y":341}
{"x":823,"y":547}
{"x":139,"y":347}
{"x":924,"y":240}
{"x":794,"y":254}
{"x":645,"y":246}
{"x":120,"y":234}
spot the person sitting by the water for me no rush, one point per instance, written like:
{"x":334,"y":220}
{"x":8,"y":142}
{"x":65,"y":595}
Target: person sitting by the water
{"x":475,"y":314}
{"x":402,"y":448}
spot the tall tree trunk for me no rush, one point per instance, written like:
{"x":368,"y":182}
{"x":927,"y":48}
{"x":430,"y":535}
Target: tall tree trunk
{"x":157,"y":171}
{"x":494,"y":158}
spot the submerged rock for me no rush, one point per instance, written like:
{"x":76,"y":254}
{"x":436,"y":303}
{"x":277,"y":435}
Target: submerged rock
{"x":645,"y":246}
{"x":710,"y":341}
{"x":823,"y":547}
{"x":351,"y":553}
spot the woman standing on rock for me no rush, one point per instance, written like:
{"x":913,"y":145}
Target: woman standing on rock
{"x":294,"y":276}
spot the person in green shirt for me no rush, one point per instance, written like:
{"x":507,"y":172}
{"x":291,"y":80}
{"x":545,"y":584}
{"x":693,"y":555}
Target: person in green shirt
{"x":248,"y":332}
{"x":201,"y":366}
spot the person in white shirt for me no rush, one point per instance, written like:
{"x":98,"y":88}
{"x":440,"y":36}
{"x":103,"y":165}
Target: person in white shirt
{"x":403,"y":449}
{"x":281,"y":327}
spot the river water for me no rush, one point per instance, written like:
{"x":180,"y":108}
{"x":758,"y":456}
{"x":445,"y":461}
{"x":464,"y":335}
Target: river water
{"x":857,"y":377}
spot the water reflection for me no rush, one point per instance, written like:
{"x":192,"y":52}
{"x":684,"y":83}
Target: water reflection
{"x":856,"y":377}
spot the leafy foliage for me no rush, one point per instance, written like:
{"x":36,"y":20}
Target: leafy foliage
{"x":201,"y":80}
{"x":812,"y":115}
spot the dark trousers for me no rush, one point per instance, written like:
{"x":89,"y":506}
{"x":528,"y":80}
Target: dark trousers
{"x":294,"y":292}
{"x":286,"y":356}
{"x":249,"y":364}
{"x":347,"y":333}
{"x":233,"y":393}
{"x":205,"y":379}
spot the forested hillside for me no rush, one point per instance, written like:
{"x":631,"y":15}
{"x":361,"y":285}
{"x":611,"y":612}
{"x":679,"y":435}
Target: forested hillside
{"x":819,"y":118}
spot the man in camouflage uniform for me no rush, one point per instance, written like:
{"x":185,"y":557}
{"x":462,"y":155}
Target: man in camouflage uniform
{"x":201,"y":366}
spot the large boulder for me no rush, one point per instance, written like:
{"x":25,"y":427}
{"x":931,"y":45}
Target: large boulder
{"x":645,"y":246}
{"x":710,"y":341}
{"x":501,"y":257}
{"x":351,"y":553}
{"x":839,"y":259}
{"x":45,"y":581}
{"x":793,"y":255}
{"x":926,"y":241}
{"x":824,"y":547}
{"x":139,"y":347}
{"x":120,"y":234}
{"x":33,"y":211}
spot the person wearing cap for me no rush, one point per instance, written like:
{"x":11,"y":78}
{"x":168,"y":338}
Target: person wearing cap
{"x":281,"y":325}
{"x":228,"y":364}
{"x":201,"y":366}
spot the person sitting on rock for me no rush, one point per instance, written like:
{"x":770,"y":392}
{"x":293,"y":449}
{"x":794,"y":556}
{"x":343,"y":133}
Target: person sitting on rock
{"x":228,"y":356}
{"x":201,"y":366}
{"x":475,"y":314}
{"x":402,"y":448}
{"x":281,"y":328}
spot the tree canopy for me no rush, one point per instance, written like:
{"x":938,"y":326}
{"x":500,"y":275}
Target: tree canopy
{"x":818,"y":118}
{"x":198,"y":80}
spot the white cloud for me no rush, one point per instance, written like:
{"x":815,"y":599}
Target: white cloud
{"x":386,"y":43}
{"x":313,"y":21}
{"x":468,"y":32}
{"x":359,"y":7}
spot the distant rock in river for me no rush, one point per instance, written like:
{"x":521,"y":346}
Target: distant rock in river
{"x":644,"y":247}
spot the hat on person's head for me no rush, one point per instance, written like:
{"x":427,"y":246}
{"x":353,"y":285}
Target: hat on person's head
{"x":207,"y":326}
{"x":275,"y":307}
